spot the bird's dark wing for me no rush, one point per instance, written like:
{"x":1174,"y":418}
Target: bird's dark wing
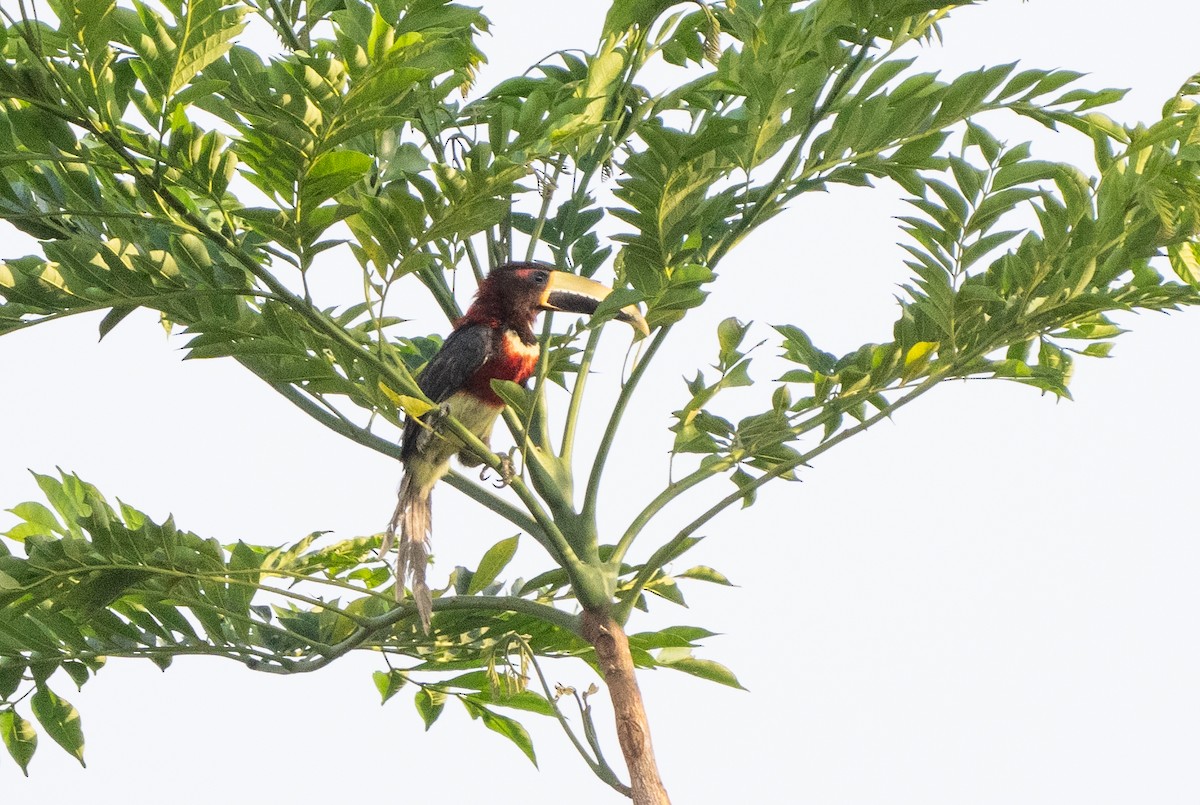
{"x":462,"y":353}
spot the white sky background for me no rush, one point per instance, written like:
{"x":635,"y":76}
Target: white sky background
{"x":992,"y":599}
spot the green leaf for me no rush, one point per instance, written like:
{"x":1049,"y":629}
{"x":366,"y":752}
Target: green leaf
{"x":38,"y":519}
{"x":11,"y":671}
{"x":984,"y":245}
{"x":988,"y":145}
{"x":1185,"y":261}
{"x":614,"y":302}
{"x":60,"y":719}
{"x":745,"y":481}
{"x":730,"y":333}
{"x":705,"y":573}
{"x":624,"y":14}
{"x":665,"y":587}
{"x":514,"y":395}
{"x":389,"y":682}
{"x":19,"y":738}
{"x":503,"y":725}
{"x":430,"y":704}
{"x":333,"y":172}
{"x":493,"y":562}
{"x":115,"y":317}
{"x":208,"y":33}
{"x":78,"y":672}
{"x":526,"y":700}
{"x":682,"y":660}
{"x":1100,"y":349}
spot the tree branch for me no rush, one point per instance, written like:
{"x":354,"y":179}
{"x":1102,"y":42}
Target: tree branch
{"x":598,"y":765}
{"x":633,"y":730}
{"x":652,"y":566}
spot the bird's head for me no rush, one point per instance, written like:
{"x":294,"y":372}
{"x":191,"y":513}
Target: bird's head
{"x":517,"y":292}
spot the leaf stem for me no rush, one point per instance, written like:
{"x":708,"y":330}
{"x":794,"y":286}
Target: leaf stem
{"x":374,"y":626}
{"x":653,"y":565}
{"x":610,"y":432}
{"x":581,"y":375}
{"x":547,"y":189}
{"x":665,"y":497}
{"x":391,"y":449}
{"x":496,"y":504}
{"x":285,"y":30}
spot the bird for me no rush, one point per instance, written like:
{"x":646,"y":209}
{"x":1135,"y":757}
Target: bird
{"x":493,"y":340}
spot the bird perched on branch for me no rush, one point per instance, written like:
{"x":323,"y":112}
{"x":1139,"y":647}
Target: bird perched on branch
{"x":494,"y":340}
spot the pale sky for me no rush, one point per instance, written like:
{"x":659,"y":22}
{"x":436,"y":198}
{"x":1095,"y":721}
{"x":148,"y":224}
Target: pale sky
{"x":991,"y":599}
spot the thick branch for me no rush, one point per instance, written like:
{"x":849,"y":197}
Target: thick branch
{"x":633,"y":730}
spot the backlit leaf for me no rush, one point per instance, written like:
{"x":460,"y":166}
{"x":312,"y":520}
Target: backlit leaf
{"x":494,"y":561}
{"x":502,"y":725}
{"x":430,"y":704}
{"x":389,"y":682}
{"x":19,"y":738}
{"x":60,"y":720}
{"x":682,"y":660}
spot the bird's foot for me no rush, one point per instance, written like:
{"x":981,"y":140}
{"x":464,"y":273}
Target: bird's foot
{"x":507,"y":470}
{"x":431,"y":424}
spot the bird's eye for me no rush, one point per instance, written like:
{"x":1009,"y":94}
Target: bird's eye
{"x":540,"y":277}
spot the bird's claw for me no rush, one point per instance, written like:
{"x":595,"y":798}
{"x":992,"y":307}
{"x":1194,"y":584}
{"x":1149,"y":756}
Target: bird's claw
{"x":507,"y":470}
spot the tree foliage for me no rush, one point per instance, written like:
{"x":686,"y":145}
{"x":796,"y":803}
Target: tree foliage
{"x":162,"y":163}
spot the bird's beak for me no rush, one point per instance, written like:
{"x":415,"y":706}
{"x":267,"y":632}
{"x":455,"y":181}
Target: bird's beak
{"x":574,"y":294}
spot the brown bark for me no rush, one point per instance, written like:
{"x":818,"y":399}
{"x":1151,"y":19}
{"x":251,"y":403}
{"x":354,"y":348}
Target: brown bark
{"x":633,"y":731}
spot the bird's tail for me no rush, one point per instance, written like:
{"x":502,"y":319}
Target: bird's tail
{"x":414,"y":520}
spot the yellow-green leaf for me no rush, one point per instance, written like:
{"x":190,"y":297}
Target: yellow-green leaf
{"x":61,"y":720}
{"x":494,"y":561}
{"x":19,"y":737}
{"x":388,"y":683}
{"x":918,"y":351}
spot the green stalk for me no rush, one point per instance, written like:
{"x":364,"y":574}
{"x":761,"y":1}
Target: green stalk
{"x":336,"y":423}
{"x":655,"y":506}
{"x":547,"y":197}
{"x":581,"y":376}
{"x":391,"y":449}
{"x":10,"y":325}
{"x":556,"y":543}
{"x":439,"y":151}
{"x":654,"y":564}
{"x":473,"y":259}
{"x":435,"y":281}
{"x":255,"y":659}
{"x":496,"y":504}
{"x":610,"y":432}
{"x":362,"y":635}
{"x":285,"y":30}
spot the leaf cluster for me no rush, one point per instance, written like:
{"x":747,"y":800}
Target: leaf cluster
{"x":98,"y":581}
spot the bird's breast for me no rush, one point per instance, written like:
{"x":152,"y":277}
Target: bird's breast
{"x":511,"y":359}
